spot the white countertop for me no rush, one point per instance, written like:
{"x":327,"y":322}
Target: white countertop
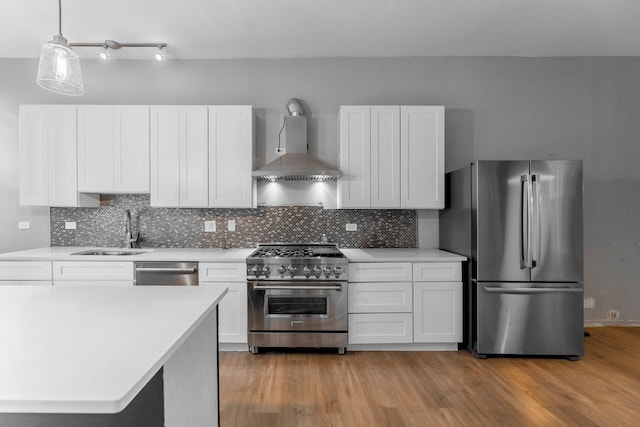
{"x":401,"y":254}
{"x":90,"y":349}
{"x":63,"y":253}
{"x":225,"y":255}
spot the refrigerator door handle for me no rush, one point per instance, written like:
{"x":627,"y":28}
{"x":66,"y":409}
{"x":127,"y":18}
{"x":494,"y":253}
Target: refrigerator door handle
{"x":535,"y":208}
{"x":530,"y":290}
{"x":525,"y":221}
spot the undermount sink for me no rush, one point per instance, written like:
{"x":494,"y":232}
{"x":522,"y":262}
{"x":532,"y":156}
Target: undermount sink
{"x":116,"y":252}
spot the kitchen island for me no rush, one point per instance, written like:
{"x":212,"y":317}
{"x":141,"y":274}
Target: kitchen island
{"x":108,"y":356}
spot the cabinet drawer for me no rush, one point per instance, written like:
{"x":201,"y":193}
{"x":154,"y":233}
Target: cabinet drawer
{"x":380,"y":328}
{"x":380,"y":272}
{"x":25,"y":270}
{"x":86,"y":282}
{"x":26,"y":282}
{"x":380,"y":297}
{"x":92,"y":270}
{"x":437,"y":272}
{"x":222,"y":272}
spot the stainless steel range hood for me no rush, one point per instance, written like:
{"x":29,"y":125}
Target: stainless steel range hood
{"x":296,"y":164}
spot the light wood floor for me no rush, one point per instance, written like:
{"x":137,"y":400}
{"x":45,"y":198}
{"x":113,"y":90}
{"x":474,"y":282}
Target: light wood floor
{"x":435,"y":388}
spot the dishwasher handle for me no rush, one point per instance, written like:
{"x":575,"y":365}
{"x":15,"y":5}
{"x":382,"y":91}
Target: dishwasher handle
{"x":494,"y":289}
{"x":168,"y":270}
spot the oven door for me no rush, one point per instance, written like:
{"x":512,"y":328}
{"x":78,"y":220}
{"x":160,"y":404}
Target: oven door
{"x":297,"y":306}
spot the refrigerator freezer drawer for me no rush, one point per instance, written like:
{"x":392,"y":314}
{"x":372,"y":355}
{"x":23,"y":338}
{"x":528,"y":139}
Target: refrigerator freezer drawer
{"x":529,"y":319}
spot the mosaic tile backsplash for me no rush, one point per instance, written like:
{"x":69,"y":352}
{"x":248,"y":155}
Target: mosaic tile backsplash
{"x":184,"y":228}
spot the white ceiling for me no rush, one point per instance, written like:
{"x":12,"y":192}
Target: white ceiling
{"x":198,"y":29}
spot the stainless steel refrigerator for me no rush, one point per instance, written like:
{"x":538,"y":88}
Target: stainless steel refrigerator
{"x":520,"y":225}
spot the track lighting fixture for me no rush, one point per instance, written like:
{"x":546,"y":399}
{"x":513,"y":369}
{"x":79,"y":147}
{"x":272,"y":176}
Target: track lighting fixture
{"x":59,"y":67}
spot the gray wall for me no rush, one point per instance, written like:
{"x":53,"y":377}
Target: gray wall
{"x":502,"y":108}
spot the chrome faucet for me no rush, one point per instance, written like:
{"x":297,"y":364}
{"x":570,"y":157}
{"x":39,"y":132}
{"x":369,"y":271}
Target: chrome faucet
{"x":129,"y":240}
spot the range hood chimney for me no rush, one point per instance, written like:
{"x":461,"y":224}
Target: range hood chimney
{"x":296,"y":164}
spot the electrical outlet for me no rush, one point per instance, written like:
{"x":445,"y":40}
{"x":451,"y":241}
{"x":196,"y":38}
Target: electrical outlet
{"x":613,"y":314}
{"x":70,"y":225}
{"x":589,"y":302}
{"x":231,"y":225}
{"x":281,"y":150}
{"x":209,"y":226}
{"x":351,"y":227}
{"x":24,"y":225}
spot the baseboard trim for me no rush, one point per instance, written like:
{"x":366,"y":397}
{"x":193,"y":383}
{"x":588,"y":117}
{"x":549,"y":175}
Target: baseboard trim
{"x":620,"y":323}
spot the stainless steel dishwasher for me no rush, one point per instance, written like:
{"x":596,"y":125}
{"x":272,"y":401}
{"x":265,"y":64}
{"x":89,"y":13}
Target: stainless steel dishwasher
{"x":166,"y":273}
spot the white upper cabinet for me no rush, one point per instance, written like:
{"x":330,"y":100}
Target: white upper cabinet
{"x":354,"y":187}
{"x":179,"y":156}
{"x":385,"y":157}
{"x":422,"y":154}
{"x":391,"y":157}
{"x":231,"y":135}
{"x":48,"y":163}
{"x":113,"y":149}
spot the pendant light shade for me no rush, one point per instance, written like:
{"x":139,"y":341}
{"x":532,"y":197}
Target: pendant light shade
{"x":59,"y":68}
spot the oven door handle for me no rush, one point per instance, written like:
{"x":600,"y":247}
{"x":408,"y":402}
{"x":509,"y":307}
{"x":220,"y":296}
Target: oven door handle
{"x":296,"y":288}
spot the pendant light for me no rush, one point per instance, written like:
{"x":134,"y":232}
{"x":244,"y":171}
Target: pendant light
{"x":59,"y":68}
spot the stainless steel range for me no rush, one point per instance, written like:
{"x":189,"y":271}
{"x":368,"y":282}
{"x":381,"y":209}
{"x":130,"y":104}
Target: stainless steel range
{"x":297,"y":296}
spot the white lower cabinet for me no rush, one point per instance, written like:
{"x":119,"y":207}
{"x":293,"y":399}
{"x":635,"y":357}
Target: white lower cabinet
{"x":411,"y":305}
{"x":380,"y":328}
{"x":25,"y":273}
{"x":232,"y":310}
{"x":437,"y":302}
{"x":380,"y":303}
{"x":79,"y":273}
{"x":437,"y":312}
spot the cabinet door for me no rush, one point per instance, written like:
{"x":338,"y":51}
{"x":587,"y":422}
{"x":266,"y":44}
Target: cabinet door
{"x":354,"y":187}
{"x":231,"y":156}
{"x":48,"y":164}
{"x":95,"y":148}
{"x":385,"y":156}
{"x":179,"y":161}
{"x":34,"y":155}
{"x":131,"y":149}
{"x":380,"y":328}
{"x":422,"y":157}
{"x":63,"y":162}
{"x":232,"y":312}
{"x":437,"y":312}
{"x":165,"y":156}
{"x":194,"y":161}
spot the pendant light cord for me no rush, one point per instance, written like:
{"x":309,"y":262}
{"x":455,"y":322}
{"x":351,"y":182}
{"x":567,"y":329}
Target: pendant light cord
{"x":60,"y":18}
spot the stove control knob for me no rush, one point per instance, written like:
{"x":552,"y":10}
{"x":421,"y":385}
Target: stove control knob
{"x":255,"y":271}
{"x":306,"y":271}
{"x":327,"y":272}
{"x":282,"y":269}
{"x":317,"y":271}
{"x":291,"y":269}
{"x":266,"y":270}
{"x":337,"y":271}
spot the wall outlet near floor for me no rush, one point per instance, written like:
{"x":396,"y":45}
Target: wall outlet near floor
{"x":351,"y":227}
{"x":231,"y":225}
{"x":209,"y":226}
{"x":613,"y":314}
{"x":24,"y":225}
{"x":70,"y":225}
